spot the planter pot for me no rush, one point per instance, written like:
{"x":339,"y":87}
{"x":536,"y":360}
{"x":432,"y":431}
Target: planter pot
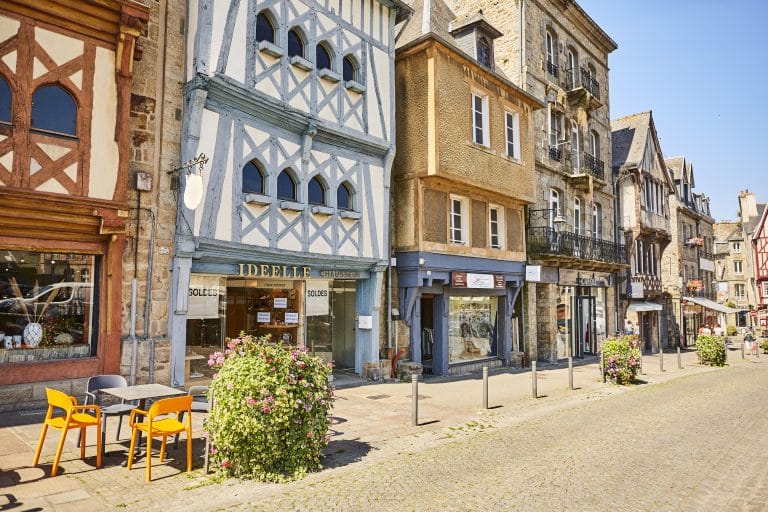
{"x":33,"y":333}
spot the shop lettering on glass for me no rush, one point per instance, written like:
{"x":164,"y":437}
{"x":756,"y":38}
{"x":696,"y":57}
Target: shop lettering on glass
{"x":484,"y":281}
{"x":279,"y":271}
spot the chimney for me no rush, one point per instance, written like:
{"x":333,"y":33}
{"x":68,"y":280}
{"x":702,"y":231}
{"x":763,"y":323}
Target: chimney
{"x":747,"y":205}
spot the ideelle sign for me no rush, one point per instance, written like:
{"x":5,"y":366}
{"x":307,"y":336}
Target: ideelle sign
{"x":482,"y":281}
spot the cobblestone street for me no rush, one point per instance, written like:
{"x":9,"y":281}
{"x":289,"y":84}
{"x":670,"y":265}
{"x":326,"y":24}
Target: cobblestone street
{"x":689,"y":439}
{"x":691,"y":444}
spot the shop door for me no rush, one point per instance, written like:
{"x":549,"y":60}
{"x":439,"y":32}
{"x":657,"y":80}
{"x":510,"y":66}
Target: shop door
{"x":585,"y":326}
{"x":427,"y":331}
{"x":343,"y":325}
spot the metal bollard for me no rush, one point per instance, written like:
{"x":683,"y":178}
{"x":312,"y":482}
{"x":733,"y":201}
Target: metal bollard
{"x":742,"y":349}
{"x":642,"y":372}
{"x":570,"y":372}
{"x":485,"y":387}
{"x":415,"y":400}
{"x":534,"y":391}
{"x":602,"y":366}
{"x":679,"y":360}
{"x":661,"y":359}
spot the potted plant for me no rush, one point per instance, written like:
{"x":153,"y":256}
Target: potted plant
{"x":764,"y":346}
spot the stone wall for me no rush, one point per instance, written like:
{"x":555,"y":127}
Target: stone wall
{"x":156,"y":104}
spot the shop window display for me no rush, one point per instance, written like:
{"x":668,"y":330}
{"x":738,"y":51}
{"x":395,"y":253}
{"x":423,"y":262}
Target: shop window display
{"x":472,"y":326}
{"x":47,"y":303}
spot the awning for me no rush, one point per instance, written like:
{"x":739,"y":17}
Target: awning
{"x":710,"y":304}
{"x":644,"y":306}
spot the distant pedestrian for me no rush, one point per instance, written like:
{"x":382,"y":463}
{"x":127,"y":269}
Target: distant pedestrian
{"x":718,"y":330}
{"x":749,"y":343}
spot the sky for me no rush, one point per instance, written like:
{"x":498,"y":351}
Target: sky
{"x":700,"y":66}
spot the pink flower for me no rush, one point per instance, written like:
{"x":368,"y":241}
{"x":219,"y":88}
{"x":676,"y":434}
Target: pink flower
{"x":310,"y":435}
{"x":226,"y":463}
{"x":250,"y":401}
{"x":230,"y":386}
{"x":265,"y":409}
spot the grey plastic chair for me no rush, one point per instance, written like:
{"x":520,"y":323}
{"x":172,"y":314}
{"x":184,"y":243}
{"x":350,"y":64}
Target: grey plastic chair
{"x":93,"y":396}
{"x":201,"y":402}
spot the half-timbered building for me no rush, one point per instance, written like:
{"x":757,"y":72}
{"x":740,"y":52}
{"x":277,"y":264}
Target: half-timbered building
{"x":292,"y":103}
{"x":65,"y":82}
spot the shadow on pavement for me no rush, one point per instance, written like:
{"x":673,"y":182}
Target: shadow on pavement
{"x":9,"y":502}
{"x":343,"y":452}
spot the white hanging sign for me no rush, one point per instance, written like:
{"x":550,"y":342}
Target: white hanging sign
{"x":203,"y":297}
{"x":318,"y":297}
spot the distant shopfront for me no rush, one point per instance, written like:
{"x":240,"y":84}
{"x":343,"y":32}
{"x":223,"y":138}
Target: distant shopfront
{"x":581,"y":312}
{"x":460,"y":310}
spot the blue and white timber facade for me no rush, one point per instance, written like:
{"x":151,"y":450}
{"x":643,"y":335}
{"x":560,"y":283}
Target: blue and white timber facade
{"x":315,"y":129}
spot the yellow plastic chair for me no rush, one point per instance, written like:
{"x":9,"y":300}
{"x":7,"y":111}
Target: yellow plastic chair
{"x":74,"y":418}
{"x":162,"y":420}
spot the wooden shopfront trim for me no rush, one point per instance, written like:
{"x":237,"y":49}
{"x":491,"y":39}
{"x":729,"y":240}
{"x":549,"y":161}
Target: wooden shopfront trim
{"x":98,"y":231}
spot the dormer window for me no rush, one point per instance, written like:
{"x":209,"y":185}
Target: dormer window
{"x":484,"y":55}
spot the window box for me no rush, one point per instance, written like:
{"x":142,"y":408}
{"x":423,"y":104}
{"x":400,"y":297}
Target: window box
{"x":328,"y":75}
{"x":270,"y":49}
{"x":350,"y":214}
{"x":354,"y":86}
{"x":292,"y":205}
{"x":322,"y":210}
{"x":256,"y":199}
{"x":301,"y":63}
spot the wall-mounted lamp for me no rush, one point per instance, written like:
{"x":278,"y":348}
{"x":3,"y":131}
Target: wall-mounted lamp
{"x":193,"y":186}
{"x":422,"y":261}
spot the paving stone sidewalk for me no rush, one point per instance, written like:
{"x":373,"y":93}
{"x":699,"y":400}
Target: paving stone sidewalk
{"x":371,"y":422}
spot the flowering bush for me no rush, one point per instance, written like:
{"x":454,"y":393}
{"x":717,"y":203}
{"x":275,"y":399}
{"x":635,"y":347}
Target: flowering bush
{"x":269,"y":419}
{"x":622,"y":359}
{"x":711,"y":350}
{"x":730,"y":330}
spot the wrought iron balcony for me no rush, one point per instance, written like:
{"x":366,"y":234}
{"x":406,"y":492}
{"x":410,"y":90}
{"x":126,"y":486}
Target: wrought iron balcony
{"x":589,"y":82}
{"x":555,"y":153}
{"x":570,"y":80}
{"x":552,"y":69}
{"x":593,"y":165}
{"x":546,"y":240}
{"x":706,"y":255}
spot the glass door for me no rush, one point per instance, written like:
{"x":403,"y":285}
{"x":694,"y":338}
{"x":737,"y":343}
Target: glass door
{"x":586,"y":327}
{"x":343,"y":324}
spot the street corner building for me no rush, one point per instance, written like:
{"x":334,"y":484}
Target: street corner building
{"x":284,"y":226}
{"x":463,"y":174}
{"x":65,"y":81}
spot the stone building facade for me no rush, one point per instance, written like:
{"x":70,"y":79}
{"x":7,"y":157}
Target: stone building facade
{"x":66,"y":75}
{"x":463,"y":173}
{"x":688,"y":266}
{"x":152,"y":192}
{"x":643,"y":187}
{"x":558,"y":54}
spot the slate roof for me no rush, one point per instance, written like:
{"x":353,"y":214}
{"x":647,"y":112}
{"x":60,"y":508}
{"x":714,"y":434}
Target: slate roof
{"x":675,"y":166}
{"x":754,"y":222}
{"x":429,"y":16}
{"x":628,"y":139}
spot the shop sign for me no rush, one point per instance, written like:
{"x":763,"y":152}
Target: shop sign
{"x":281,"y":302}
{"x":695,"y":285}
{"x":592,"y":281}
{"x":753,"y":313}
{"x":339,"y":274}
{"x":276,"y":271}
{"x":636,"y":290}
{"x":317,"y":298}
{"x":291,"y":318}
{"x":263,"y":317}
{"x":533,"y":273}
{"x":482,"y":281}
{"x":365,"y":322}
{"x":203,"y":297}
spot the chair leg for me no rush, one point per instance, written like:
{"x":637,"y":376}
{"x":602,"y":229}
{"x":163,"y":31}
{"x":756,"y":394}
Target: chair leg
{"x":119,"y":424}
{"x":189,"y":450}
{"x":103,"y":436}
{"x":83,"y":437}
{"x":133,"y":447}
{"x":99,"y":443}
{"x":176,"y":439}
{"x":149,"y":458}
{"x":162,"y":449}
{"x":55,"y":466}
{"x":40,"y":444}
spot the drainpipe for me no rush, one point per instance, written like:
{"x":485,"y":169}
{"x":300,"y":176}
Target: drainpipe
{"x":148,"y":298}
{"x":521,"y":31}
{"x":134,"y":341}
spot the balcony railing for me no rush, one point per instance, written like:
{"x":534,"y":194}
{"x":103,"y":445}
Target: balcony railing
{"x":707,"y":255}
{"x":547,"y":240}
{"x":552,"y":69}
{"x":650,"y":282}
{"x":555,"y":153}
{"x":585,"y":79}
{"x":654,"y":221}
{"x":589,"y":82}
{"x":593,"y":165}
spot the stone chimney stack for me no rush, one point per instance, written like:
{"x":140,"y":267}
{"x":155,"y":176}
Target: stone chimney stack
{"x":747,"y":205}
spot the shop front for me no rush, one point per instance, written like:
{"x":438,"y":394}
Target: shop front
{"x":581,"y":312}
{"x":459,"y":309}
{"x":311,"y":303}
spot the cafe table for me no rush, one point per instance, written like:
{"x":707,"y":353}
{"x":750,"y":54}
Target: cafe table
{"x":141,"y":393}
